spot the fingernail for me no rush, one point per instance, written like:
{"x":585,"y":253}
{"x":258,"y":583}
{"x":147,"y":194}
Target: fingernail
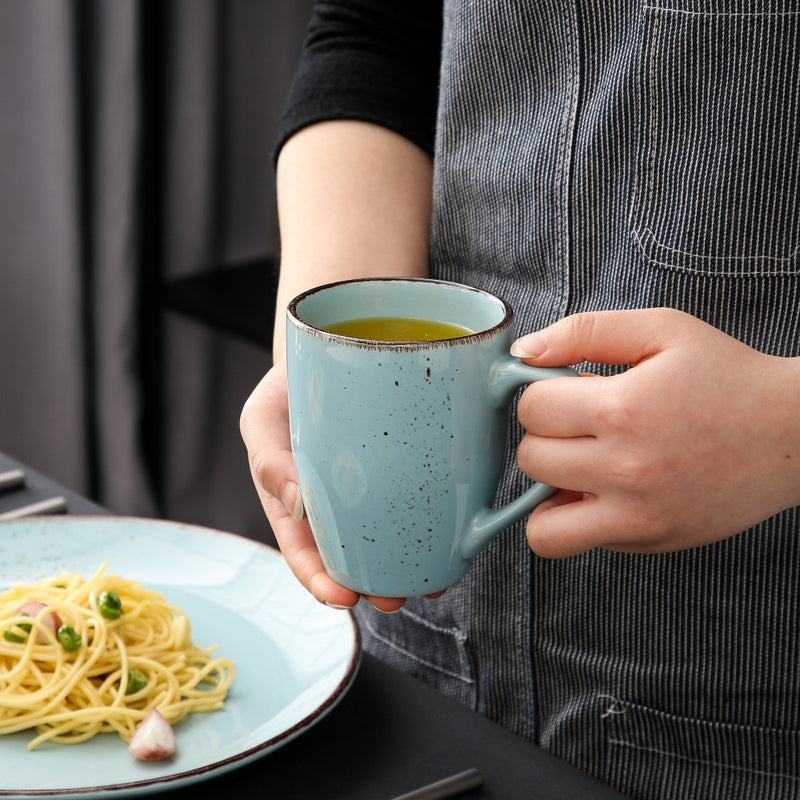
{"x":291,"y":499}
{"x":529,"y":346}
{"x":337,"y":607}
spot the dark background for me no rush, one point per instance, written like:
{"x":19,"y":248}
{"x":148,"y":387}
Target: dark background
{"x":140,"y":244}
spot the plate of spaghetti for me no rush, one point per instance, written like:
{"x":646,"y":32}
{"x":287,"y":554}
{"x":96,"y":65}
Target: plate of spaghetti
{"x":108,"y":621}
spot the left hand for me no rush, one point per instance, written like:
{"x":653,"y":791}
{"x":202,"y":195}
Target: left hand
{"x":697,"y":440}
{"x":264,"y":425}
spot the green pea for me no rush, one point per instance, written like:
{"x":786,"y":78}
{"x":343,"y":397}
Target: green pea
{"x":10,"y":636}
{"x":136,"y":681}
{"x":24,"y":626}
{"x":69,"y":638}
{"x":110,"y":605}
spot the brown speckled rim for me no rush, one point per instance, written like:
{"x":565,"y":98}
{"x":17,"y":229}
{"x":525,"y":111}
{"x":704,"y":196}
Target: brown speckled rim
{"x":426,"y":344}
{"x":214,"y":768}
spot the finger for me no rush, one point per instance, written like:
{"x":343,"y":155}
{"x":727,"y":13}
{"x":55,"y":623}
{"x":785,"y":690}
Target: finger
{"x":264,"y":427}
{"x":563,"y":525}
{"x":569,"y":523}
{"x":392,"y":604}
{"x":608,"y":337}
{"x":386,"y":604}
{"x":577,"y":463}
{"x":561,"y":408}
{"x":296,"y":542}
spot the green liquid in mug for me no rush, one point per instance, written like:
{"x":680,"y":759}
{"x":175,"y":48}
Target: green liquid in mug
{"x":398,"y":329}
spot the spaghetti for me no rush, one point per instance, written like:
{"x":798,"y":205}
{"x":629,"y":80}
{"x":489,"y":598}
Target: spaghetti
{"x":80,"y":657}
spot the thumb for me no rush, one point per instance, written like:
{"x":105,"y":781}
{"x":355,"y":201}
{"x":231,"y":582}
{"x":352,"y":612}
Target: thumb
{"x":604,"y":337}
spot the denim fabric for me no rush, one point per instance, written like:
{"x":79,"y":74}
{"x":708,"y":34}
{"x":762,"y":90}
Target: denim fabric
{"x":615,"y":154}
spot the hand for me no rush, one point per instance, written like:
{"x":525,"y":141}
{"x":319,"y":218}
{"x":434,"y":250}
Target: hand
{"x":696,"y":441}
{"x":264,"y":426}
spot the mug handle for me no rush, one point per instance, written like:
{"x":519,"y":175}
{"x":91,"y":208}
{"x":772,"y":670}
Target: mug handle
{"x":507,"y":375}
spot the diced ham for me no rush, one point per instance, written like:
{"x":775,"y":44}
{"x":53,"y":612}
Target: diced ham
{"x":50,"y":620}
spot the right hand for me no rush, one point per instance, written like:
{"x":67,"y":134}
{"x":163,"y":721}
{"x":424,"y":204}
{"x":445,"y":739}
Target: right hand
{"x":264,"y":425}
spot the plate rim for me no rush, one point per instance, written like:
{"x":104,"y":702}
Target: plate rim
{"x":216,"y":768}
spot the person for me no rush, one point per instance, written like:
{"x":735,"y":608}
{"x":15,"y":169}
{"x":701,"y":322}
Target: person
{"x":627,"y":177}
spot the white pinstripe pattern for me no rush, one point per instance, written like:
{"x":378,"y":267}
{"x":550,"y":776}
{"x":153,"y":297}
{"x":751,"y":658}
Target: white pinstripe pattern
{"x":617,"y":154}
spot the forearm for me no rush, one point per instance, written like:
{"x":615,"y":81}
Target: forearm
{"x":354,"y":200}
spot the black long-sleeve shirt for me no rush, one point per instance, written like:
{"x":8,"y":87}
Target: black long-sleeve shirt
{"x":373,"y":61}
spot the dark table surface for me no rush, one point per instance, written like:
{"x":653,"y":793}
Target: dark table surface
{"x":389,"y":734}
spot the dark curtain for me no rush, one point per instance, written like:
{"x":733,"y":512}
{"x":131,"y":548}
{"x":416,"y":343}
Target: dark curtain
{"x":136,"y":139}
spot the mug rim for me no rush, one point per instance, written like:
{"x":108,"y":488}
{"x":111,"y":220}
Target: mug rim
{"x":294,"y":317}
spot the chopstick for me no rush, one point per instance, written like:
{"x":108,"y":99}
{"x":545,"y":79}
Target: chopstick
{"x":11,"y":478}
{"x":53,"y":505}
{"x":453,"y":786}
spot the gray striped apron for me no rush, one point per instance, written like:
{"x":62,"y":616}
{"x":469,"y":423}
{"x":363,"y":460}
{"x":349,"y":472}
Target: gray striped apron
{"x":614,"y":154}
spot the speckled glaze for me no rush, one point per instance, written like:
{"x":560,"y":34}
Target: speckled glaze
{"x":399,"y":445}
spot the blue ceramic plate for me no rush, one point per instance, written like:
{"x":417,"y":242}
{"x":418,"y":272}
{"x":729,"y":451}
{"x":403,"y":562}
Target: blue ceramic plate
{"x":294,"y":657}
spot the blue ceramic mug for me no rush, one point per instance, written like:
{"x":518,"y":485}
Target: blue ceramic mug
{"x":399,"y":444}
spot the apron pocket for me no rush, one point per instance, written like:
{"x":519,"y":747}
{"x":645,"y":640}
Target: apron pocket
{"x":707,"y":759}
{"x":431,"y":650}
{"x":717,"y":170}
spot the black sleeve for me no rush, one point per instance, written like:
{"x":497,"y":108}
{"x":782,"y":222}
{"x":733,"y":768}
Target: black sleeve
{"x":370,"y":60}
